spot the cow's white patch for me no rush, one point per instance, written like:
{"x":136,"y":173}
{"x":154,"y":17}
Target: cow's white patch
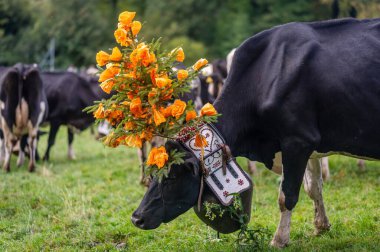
{"x":104,"y":128}
{"x":277,"y":163}
{"x":70,"y":152}
{"x":21,"y":122}
{"x":21,"y":156}
{"x":313,"y":186}
{"x":282,"y":235}
{"x":207,"y":70}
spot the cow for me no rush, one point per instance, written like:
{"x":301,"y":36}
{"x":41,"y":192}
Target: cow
{"x":68,"y":94}
{"x":23,"y":108}
{"x":296,"y":92}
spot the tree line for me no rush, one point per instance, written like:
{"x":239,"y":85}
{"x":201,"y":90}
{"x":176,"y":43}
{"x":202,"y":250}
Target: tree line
{"x":204,"y":28}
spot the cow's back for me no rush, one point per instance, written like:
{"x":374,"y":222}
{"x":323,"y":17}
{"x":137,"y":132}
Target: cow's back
{"x":320,"y":80}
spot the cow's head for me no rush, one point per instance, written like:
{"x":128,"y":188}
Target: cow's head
{"x":179,"y":192}
{"x":174,"y":195}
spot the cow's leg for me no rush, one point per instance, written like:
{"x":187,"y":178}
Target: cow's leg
{"x":2,"y":146}
{"x":325,"y":168}
{"x":21,"y":153}
{"x":295,"y":155}
{"x":361,"y":164}
{"x":282,"y":235}
{"x":70,"y":152}
{"x":8,"y":153}
{"x":252,"y":169}
{"x":32,"y":142}
{"x":54,"y":127}
{"x":313,"y":183}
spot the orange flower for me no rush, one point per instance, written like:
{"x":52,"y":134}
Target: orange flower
{"x":158,"y":117}
{"x":208,"y":110}
{"x":158,"y":156}
{"x":121,"y":37}
{"x":180,"y":55}
{"x":102,"y":58}
{"x":199,"y":64}
{"x":126,"y":17}
{"x":190,"y":115}
{"x":109,"y":73}
{"x":200,"y":141}
{"x":107,"y":86}
{"x":178,"y":107}
{"x":129,"y":125}
{"x":99,"y":113}
{"x":133,"y":141}
{"x":111,"y":141}
{"x":182,"y":74}
{"x":116,"y":54}
{"x":163,"y":82}
{"x":136,"y":107}
{"x":136,"y":27}
{"x":152,"y":93}
{"x":168,"y":95}
{"x":166,"y":111}
{"x":147,"y":135}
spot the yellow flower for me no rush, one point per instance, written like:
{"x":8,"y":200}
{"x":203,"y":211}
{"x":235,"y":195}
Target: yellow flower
{"x":133,"y":141}
{"x":102,"y":58}
{"x":190,"y":115}
{"x":180,"y":55}
{"x":126,"y":17}
{"x":121,"y":37}
{"x":107,"y":86}
{"x":158,"y":117}
{"x":136,"y":27}
{"x":116,"y":54}
{"x":109,"y":73}
{"x":208,"y":110}
{"x":99,"y":113}
{"x":199,"y":64}
{"x":200,"y":141}
{"x":182,"y":74}
{"x":178,"y":107}
{"x":158,"y":156}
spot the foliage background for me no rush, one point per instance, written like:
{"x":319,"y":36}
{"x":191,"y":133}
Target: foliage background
{"x":205,"y":28}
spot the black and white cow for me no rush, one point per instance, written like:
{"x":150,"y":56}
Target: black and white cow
{"x":68,"y":94}
{"x":23,"y":108}
{"x":295,"y":92}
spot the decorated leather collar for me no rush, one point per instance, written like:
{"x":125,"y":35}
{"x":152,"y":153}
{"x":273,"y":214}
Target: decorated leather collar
{"x":224,"y":177}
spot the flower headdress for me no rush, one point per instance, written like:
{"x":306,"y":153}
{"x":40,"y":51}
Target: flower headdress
{"x":146,"y":92}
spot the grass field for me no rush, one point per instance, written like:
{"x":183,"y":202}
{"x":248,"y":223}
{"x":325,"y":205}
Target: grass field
{"x":86,"y":204}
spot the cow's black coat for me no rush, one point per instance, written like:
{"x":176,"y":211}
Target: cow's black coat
{"x":68,"y":94}
{"x":304,"y":87}
{"x":296,"y":88}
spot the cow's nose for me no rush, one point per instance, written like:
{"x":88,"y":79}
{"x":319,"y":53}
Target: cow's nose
{"x":137,"y":220}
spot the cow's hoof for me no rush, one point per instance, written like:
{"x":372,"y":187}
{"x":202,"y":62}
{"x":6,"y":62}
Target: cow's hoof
{"x":31,"y":168}
{"x":72,"y":157}
{"x":279,"y":243}
{"x":7,"y":168}
{"x":321,"y":229}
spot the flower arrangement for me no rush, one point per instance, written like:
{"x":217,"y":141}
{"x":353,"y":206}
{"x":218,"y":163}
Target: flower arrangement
{"x":147,"y":92}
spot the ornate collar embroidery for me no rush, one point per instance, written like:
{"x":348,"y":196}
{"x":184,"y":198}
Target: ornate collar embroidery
{"x":223,"y":185}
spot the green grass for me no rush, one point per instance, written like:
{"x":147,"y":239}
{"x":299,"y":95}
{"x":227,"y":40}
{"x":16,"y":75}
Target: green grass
{"x":86,"y":204}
